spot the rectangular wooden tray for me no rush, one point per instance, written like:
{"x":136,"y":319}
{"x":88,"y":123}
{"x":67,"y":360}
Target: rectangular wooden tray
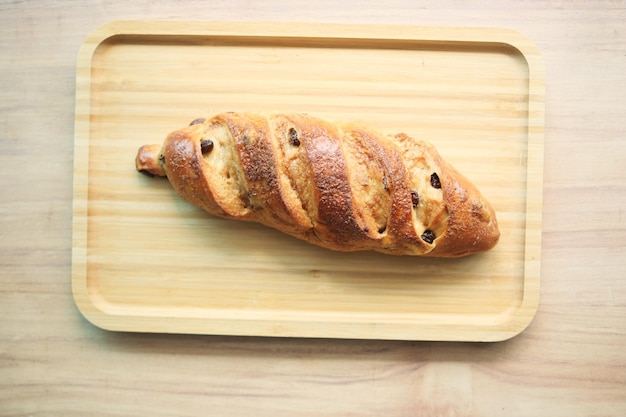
{"x":145,"y":260}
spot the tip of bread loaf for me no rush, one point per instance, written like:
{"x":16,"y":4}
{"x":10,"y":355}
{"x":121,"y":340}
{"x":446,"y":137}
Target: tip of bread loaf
{"x":148,"y":161}
{"x":472,"y":223}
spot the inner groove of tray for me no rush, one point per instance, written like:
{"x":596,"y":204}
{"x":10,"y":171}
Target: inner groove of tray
{"x":313,"y":42}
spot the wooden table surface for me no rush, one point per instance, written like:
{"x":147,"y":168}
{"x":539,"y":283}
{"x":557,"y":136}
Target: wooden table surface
{"x":571,"y":360}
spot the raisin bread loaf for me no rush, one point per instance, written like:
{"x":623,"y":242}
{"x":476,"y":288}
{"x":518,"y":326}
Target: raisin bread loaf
{"x":340,"y":186}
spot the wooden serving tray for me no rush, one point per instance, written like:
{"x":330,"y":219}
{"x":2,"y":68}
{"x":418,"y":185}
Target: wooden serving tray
{"x":145,"y":260}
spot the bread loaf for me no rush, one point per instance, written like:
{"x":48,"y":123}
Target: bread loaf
{"x":344,"y":187}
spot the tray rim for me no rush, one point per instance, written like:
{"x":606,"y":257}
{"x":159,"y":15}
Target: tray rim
{"x":499,"y":330}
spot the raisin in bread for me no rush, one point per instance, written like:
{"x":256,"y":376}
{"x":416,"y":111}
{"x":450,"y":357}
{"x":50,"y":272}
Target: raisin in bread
{"x":340,"y":186}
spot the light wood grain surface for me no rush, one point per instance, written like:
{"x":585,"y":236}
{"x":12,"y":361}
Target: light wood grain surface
{"x":570,"y":361}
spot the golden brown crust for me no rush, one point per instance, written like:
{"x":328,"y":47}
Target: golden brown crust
{"x":184,"y":168}
{"x":472,"y":224}
{"x":336,"y":222}
{"x":342,"y":187}
{"x":257,"y":157}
